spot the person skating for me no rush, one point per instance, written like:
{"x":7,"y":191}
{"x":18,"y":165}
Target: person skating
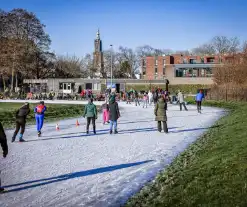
{"x":145,"y":100}
{"x":90,"y":112}
{"x":150,"y":97}
{"x":181,"y":101}
{"x":39,"y":116}
{"x":160,"y":114}
{"x":114,"y":114}
{"x":21,"y":116}
{"x":4,"y":145}
{"x":199,"y":97}
{"x":105,"y":110}
{"x":136,"y":98}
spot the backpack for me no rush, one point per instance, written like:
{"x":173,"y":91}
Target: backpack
{"x":40,"y":108}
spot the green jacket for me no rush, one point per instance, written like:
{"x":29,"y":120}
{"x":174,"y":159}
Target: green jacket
{"x":160,"y":110}
{"x":90,"y":110}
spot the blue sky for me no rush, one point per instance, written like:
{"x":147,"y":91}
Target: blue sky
{"x":173,"y":24}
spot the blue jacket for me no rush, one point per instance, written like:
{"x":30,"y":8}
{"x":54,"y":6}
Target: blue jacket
{"x":199,"y":96}
{"x":42,"y":112}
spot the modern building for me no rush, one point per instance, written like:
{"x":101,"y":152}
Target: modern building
{"x":180,"y":69}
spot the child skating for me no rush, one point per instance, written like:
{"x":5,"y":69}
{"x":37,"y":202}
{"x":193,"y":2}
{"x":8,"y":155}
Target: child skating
{"x":39,"y":116}
{"x":105,"y":110}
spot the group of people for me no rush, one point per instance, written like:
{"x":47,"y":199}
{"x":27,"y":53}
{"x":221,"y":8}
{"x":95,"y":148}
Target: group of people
{"x":110,"y":111}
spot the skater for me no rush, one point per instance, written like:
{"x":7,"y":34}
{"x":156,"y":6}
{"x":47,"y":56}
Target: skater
{"x":199,"y":97}
{"x":105,"y":110}
{"x":21,"y":116}
{"x":39,"y":116}
{"x":114,"y":114}
{"x":160,"y":114}
{"x":137,"y":98}
{"x":90,"y":112}
{"x":145,"y":100}
{"x":181,"y":101}
{"x":4,"y":145}
{"x":150,"y":97}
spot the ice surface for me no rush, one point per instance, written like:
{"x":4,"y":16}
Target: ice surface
{"x":69,"y":168}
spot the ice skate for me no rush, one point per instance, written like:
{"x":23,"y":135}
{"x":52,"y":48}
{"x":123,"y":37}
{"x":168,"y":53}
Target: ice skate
{"x":2,"y":190}
{"x":22,"y":140}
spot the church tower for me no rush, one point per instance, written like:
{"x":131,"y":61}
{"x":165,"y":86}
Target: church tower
{"x":98,"y":60}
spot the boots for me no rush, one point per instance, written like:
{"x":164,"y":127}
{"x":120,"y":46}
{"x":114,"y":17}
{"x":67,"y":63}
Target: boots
{"x":165,"y":127}
{"x":1,"y":190}
{"x":115,"y":131}
{"x":21,"y":139}
{"x":13,"y":139}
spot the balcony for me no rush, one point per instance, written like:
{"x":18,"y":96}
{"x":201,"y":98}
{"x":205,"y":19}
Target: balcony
{"x":196,"y":65}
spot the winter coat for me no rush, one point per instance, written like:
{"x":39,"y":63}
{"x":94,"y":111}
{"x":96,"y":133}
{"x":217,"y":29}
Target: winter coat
{"x":43,"y":110}
{"x":180,"y":97}
{"x":90,"y":110}
{"x":199,"y":96}
{"x":3,"y":140}
{"x":160,"y":110}
{"x":22,"y":113}
{"x":114,"y":111}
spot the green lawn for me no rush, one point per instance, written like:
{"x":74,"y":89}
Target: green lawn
{"x":54,"y":112}
{"x":211,"y":172}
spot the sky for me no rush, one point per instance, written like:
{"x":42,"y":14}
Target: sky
{"x":164,"y":24}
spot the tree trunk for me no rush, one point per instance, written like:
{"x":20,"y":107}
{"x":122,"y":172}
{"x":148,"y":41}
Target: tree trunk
{"x":4,"y":84}
{"x":12,"y":79}
{"x":16,"y":80}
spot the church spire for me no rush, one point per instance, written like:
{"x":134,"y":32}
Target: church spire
{"x":98,"y":35}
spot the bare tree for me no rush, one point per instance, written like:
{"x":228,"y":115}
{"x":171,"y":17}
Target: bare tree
{"x":69,"y":67}
{"x":130,"y":56}
{"x":205,"y":49}
{"x":225,"y":45}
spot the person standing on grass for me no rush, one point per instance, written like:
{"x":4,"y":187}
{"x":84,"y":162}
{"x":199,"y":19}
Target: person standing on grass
{"x":105,"y":110}
{"x":4,"y":145}
{"x":160,"y":114}
{"x":21,"y":116}
{"x":114,"y":114}
{"x":181,"y":101}
{"x":90,"y":112}
{"x":145,"y":100}
{"x":39,"y":116}
{"x":199,"y":97}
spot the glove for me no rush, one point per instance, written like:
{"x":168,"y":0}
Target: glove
{"x":96,"y":117}
{"x":5,"y":153}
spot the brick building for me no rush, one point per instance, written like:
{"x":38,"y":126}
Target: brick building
{"x":180,"y":69}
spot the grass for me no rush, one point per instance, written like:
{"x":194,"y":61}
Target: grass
{"x":211,"y":172}
{"x":54,"y":112}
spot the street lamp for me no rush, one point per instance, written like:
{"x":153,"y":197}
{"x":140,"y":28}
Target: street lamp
{"x":111,"y":66}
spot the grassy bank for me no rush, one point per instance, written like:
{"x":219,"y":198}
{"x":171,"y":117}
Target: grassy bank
{"x":211,"y":172}
{"x":54,"y":112}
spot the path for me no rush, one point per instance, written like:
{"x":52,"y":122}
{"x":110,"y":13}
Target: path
{"x":69,"y":168}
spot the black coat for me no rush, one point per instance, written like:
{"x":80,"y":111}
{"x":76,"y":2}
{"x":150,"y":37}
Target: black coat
{"x":22,"y":113}
{"x":114,"y":111}
{"x":3,"y":140}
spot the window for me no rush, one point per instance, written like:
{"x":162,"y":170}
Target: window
{"x":184,"y":60}
{"x":164,"y":71}
{"x":156,"y":70}
{"x":202,"y":60}
{"x":69,"y":86}
{"x":156,"y":62}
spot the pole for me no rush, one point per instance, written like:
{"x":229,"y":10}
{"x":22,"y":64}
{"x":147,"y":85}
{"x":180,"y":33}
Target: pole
{"x":111,"y":66}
